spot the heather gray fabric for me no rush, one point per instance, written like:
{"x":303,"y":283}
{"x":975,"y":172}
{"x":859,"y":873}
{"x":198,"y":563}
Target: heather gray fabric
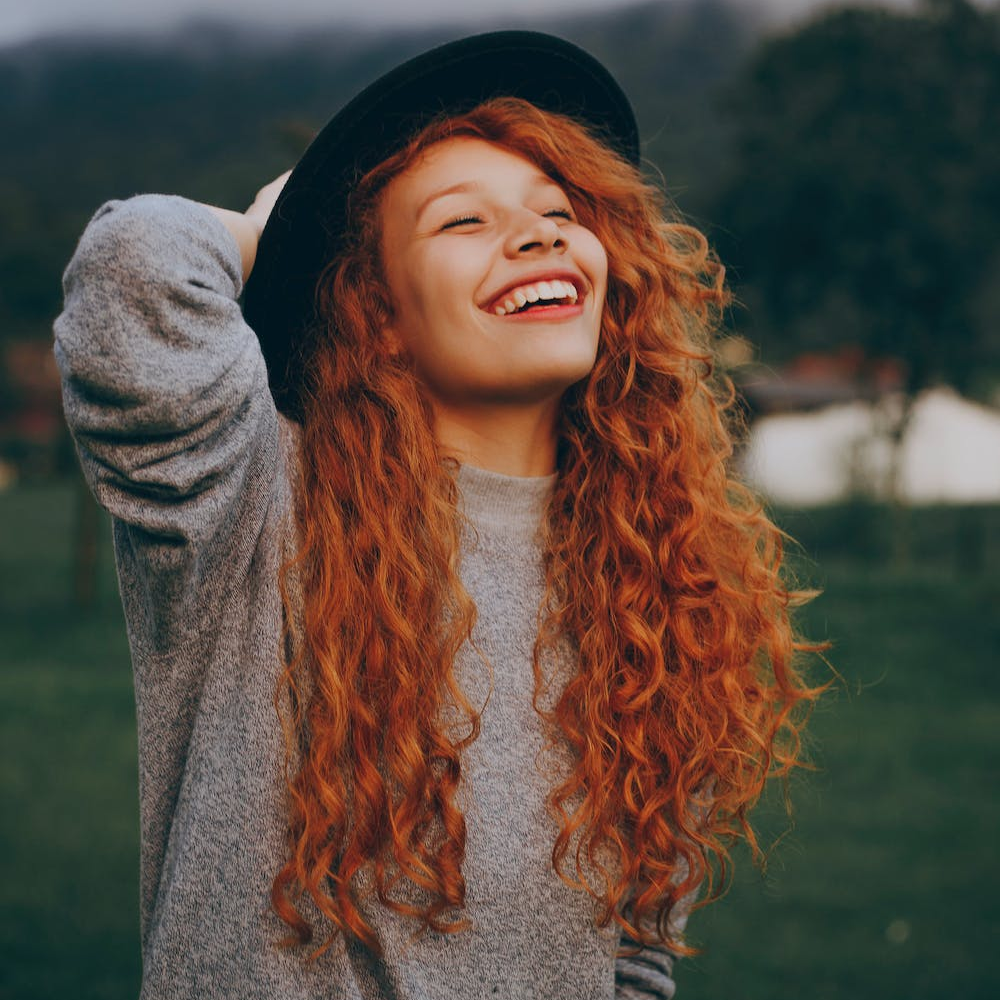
{"x":166,"y":393}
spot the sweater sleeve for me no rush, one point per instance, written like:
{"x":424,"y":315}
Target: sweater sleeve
{"x":648,"y":975}
{"x":165,"y":391}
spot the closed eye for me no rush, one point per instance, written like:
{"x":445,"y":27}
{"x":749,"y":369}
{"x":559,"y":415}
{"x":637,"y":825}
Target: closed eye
{"x":471,"y":220}
{"x":465,"y":220}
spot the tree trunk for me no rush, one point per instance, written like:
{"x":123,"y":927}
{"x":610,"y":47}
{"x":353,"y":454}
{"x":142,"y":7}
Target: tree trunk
{"x":898,"y":505}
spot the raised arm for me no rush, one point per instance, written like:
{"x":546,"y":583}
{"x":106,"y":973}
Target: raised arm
{"x":166,"y":393}
{"x":164,"y":386}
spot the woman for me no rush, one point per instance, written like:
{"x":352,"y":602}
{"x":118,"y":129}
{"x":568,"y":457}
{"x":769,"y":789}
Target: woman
{"x":458,"y":654}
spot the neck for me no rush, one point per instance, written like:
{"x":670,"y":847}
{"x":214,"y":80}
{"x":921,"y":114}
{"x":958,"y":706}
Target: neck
{"x":514,"y":441}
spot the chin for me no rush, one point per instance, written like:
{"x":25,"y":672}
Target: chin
{"x":550,"y":385}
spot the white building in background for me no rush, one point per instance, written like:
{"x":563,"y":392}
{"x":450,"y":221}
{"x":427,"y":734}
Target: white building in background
{"x":950,"y":454}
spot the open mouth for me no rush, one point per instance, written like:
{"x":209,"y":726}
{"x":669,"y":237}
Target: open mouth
{"x":535,"y":295}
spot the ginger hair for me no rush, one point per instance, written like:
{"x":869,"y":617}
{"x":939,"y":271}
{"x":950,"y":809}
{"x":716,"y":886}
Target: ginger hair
{"x":662,"y":570}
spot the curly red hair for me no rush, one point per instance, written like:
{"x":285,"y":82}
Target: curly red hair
{"x":661,"y":568}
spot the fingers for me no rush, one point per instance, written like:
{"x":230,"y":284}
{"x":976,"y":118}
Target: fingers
{"x":273,"y":188}
{"x":263,"y":203}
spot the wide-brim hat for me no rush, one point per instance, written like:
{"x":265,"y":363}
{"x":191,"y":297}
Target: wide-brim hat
{"x":305,"y":228}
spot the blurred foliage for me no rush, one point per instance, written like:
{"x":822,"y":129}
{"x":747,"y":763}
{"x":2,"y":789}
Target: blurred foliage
{"x":863,"y":197}
{"x":846,"y":169}
{"x":673,"y":59}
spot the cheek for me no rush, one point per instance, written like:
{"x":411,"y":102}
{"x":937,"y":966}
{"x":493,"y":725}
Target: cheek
{"x":423,"y":320}
{"x":600,"y":263}
{"x":409,"y":300}
{"x":441,"y":291}
{"x":418,"y":278}
{"x":592,"y":257}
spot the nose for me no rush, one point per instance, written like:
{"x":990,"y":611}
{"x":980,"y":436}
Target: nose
{"x":533,"y":233}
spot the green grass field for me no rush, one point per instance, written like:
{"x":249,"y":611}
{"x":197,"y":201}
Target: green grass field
{"x":885,"y":887}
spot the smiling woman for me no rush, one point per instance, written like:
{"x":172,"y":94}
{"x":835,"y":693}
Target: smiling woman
{"x":459,"y":655}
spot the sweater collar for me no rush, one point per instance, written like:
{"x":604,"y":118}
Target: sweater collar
{"x":513,"y":505}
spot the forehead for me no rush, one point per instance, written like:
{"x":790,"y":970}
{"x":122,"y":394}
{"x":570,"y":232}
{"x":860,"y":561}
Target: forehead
{"x":463,"y":163}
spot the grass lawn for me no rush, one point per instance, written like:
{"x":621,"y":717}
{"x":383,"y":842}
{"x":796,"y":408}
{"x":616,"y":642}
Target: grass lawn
{"x":68,"y":774}
{"x":885,"y":887}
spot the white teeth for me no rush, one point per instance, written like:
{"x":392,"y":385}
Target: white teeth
{"x":520,"y":297}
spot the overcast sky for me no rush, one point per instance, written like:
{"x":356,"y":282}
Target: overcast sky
{"x":23,"y":19}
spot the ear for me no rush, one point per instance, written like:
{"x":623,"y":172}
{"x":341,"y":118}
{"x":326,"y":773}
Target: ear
{"x":392,"y":343}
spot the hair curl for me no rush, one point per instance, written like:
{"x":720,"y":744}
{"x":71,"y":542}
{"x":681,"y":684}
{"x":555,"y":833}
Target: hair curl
{"x":660,"y":567}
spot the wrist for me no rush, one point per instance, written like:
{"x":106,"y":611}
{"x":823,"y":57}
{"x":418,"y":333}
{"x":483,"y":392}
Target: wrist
{"x":244,"y":231}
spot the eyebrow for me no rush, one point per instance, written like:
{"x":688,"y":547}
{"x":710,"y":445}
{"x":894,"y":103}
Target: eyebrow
{"x":464,"y":187}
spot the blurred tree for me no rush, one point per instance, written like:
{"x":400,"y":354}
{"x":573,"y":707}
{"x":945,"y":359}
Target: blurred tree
{"x":864,"y":189}
{"x":673,"y":59}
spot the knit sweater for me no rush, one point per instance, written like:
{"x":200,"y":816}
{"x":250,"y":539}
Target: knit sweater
{"x":166,"y":393}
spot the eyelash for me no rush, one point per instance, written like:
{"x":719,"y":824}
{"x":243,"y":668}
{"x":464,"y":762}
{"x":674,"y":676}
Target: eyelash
{"x":469,"y":219}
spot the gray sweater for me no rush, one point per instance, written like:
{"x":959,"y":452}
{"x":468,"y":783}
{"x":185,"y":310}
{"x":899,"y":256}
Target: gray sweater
{"x":166,"y":393}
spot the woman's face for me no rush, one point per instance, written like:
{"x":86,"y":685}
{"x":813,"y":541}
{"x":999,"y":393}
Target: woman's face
{"x":497,"y":289}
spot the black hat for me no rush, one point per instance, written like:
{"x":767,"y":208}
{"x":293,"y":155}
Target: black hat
{"x":305,"y":227}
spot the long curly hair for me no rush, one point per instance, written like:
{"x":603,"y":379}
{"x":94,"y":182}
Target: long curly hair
{"x":661,"y":569}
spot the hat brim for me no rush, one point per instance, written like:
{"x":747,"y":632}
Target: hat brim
{"x":304,"y":230}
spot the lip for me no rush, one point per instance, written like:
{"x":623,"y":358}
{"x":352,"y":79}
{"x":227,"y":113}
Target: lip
{"x":544,"y":314}
{"x":571,"y":277}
